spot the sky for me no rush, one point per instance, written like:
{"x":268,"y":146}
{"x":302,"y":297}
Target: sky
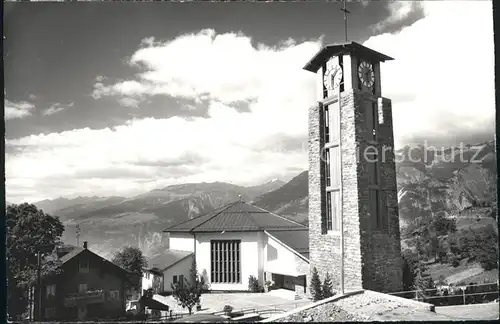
{"x":121,"y":98}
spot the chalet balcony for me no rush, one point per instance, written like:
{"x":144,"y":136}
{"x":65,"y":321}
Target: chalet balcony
{"x":88,"y":297}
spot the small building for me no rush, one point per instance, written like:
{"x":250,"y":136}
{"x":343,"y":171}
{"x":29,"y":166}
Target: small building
{"x":87,"y":287}
{"x":165,"y":269}
{"x":152,"y":278}
{"x":241,"y":240}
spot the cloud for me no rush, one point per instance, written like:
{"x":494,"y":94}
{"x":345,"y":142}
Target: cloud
{"x":18,"y":110}
{"x":399,"y":12}
{"x":230,"y":68}
{"x":55,"y":108}
{"x":438,"y":88}
{"x":129,"y":102}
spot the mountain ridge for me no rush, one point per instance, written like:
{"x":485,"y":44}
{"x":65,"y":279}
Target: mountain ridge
{"x":429,"y":183}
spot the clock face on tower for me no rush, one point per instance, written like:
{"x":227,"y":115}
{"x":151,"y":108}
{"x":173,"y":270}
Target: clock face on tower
{"x":332,"y":77}
{"x":366,"y":74}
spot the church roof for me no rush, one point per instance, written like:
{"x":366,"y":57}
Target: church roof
{"x":236,"y":217}
{"x":343,"y":48}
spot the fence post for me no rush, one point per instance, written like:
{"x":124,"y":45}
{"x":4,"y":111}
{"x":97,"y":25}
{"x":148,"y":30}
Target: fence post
{"x":463,"y":292}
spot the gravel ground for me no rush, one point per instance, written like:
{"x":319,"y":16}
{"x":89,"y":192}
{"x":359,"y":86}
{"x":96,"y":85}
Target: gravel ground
{"x":367,"y":306}
{"x":322,"y":313}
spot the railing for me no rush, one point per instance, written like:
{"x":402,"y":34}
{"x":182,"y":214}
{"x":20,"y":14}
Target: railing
{"x":275,"y":308}
{"x":165,"y":317}
{"x":242,"y":311}
{"x":95,"y":296}
{"x":453,"y":295}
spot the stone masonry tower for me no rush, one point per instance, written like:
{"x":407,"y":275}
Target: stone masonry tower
{"x":353,"y":212}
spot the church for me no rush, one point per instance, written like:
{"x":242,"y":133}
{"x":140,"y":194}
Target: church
{"x":353,"y":231}
{"x":238,"y":241}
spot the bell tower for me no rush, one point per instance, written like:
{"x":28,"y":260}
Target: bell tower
{"x":353,"y":212}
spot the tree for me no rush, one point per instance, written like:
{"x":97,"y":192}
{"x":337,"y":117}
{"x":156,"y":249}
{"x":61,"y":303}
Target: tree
{"x":316,"y":289}
{"x":409,"y":261}
{"x":29,"y":231}
{"x":188,"y":292}
{"x":327,"y":290}
{"x":433,"y":246}
{"x":485,"y":247}
{"x":423,"y":281}
{"x":131,"y":259}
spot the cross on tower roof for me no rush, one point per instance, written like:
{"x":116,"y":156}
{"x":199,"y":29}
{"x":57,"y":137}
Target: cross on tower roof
{"x":346,"y":12}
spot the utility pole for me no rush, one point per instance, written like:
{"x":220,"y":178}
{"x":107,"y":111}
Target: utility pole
{"x":346,"y":12}
{"x":78,"y":235}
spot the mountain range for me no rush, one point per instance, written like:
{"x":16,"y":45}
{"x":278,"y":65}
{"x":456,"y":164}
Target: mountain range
{"x":109,"y":223}
{"x":451,"y":182}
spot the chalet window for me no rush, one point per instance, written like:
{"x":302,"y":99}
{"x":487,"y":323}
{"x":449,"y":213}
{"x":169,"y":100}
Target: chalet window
{"x":50,"y":312}
{"x":147,"y":275}
{"x":225,"y":258}
{"x":82,"y":288}
{"x":83,"y":266}
{"x":174,"y":280}
{"x":114,"y":295}
{"x":50,"y":290}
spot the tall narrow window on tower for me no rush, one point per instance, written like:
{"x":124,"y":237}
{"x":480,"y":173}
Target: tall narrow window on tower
{"x":376,"y":212}
{"x":373,"y":165}
{"x":327,"y":124}
{"x":335,"y":175}
{"x":372,"y":121}
{"x":329,"y":214}
{"x":334,"y":125}
{"x":327,"y":168}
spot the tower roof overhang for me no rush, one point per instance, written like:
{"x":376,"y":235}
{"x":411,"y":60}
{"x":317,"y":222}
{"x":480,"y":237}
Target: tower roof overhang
{"x":343,"y":48}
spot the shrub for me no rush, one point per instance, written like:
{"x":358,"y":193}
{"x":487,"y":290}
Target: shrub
{"x":316,"y":289}
{"x":253,"y":284}
{"x":327,"y":288}
{"x":227,"y":309}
